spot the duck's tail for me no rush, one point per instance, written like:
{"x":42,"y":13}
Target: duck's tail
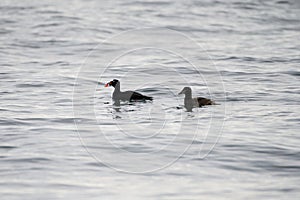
{"x":148,"y":98}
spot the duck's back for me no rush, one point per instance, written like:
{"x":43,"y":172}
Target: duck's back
{"x":130,"y":96}
{"x":201,"y":101}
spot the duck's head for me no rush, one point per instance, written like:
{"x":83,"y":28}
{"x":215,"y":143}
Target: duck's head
{"x":186,"y":90}
{"x":112,"y":83}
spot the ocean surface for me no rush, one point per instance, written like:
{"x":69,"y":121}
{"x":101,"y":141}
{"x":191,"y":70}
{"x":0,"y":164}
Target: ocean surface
{"x":62,"y":136}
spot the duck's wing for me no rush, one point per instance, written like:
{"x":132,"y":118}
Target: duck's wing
{"x":133,"y":96}
{"x":201,"y":101}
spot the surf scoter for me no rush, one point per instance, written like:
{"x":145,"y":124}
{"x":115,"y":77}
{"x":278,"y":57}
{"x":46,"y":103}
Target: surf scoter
{"x":190,"y":103}
{"x":127,"y":95}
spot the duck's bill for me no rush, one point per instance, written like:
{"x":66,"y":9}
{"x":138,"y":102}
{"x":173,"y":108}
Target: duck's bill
{"x":106,"y":85}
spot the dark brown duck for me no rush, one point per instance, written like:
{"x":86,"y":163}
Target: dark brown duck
{"x":190,"y":102}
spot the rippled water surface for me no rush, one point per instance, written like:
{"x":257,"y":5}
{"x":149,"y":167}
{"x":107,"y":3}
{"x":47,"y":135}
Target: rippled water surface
{"x":62,"y":137}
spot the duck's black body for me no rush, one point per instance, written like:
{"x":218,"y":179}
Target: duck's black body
{"x":118,"y":95}
{"x":129,"y":96}
{"x":190,"y":103}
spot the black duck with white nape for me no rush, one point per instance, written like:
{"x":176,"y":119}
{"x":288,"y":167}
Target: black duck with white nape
{"x":190,"y":102}
{"x":118,"y":95}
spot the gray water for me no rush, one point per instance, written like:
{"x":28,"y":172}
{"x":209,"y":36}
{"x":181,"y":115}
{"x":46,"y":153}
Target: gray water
{"x":62,"y":137}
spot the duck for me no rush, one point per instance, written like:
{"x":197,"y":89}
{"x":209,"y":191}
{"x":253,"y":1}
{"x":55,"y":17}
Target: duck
{"x":118,"y":95}
{"x":190,"y":103}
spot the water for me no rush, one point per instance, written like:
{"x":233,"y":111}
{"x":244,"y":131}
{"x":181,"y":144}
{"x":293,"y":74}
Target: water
{"x":60,"y":142}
